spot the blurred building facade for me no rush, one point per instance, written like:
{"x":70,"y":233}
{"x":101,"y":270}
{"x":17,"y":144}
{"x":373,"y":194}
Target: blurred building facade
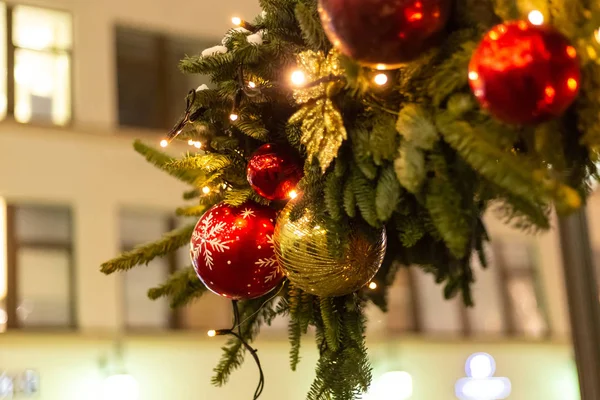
{"x":81,"y":80}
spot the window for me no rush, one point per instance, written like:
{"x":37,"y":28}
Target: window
{"x":151,"y":89}
{"x":141,"y":312}
{"x":42,"y":42}
{"x":402,"y":315}
{"x":522,"y":297}
{"x":35,"y":49}
{"x":40,"y":289}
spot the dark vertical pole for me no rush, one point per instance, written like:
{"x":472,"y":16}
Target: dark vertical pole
{"x":584,"y":305}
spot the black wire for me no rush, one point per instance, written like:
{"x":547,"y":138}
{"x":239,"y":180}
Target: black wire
{"x":253,"y":351}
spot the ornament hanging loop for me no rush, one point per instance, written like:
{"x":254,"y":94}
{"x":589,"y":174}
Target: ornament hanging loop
{"x":176,"y":130}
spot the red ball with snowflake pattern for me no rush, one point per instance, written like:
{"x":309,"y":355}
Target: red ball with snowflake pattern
{"x":232,"y":251}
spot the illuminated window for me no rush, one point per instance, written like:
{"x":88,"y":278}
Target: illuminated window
{"x":42,"y":42}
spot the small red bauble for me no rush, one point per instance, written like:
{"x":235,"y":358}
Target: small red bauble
{"x":523,"y":73}
{"x":273,"y":172}
{"x":232,"y":251}
{"x":384,"y":34}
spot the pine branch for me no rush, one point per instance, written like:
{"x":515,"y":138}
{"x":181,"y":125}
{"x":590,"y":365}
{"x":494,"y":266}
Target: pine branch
{"x":162,"y":161}
{"x":331,"y":323}
{"x":387,"y":194}
{"x":144,"y":254}
{"x":309,"y":22}
{"x":207,"y":162}
{"x":181,"y":288}
{"x":192,"y":211}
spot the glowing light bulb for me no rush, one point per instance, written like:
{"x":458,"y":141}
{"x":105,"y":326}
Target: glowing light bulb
{"x":473,"y":75}
{"x":237,"y":21}
{"x":536,"y":17}
{"x":298,"y":78}
{"x":380,"y":67}
{"x":597,"y":35}
{"x":191,"y":142}
{"x":197,"y":145}
{"x":251,"y":85}
{"x":233,"y":117}
{"x":211,"y":333}
{"x":164,"y":143}
{"x":206,"y":190}
{"x":373,"y":285}
{"x":293,"y":194}
{"x":380,"y":79}
{"x":571,"y":52}
{"x":572,"y":84}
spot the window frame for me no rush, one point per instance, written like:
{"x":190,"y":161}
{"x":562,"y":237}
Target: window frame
{"x":13,"y":245}
{"x":10,"y":66}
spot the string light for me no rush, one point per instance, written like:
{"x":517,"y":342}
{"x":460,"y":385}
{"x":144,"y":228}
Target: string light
{"x":536,"y":17}
{"x":373,"y":285}
{"x":293,"y":194}
{"x":190,"y":142}
{"x":380,"y":67}
{"x":237,"y":21}
{"x":197,"y":145}
{"x":206,"y":190}
{"x":380,"y":79}
{"x":211,"y":333}
{"x":597,"y":35}
{"x":164,"y":143}
{"x":251,"y":85}
{"x":298,"y":78}
{"x":233,"y":116}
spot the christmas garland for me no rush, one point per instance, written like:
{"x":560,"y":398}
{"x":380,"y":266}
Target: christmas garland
{"x":346,"y":139}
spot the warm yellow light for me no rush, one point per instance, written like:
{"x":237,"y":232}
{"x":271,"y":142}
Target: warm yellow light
{"x":211,"y":333}
{"x":293,"y":194}
{"x":597,"y":35}
{"x":298,"y":78}
{"x":473,"y":75}
{"x":571,"y":52}
{"x":191,"y":142}
{"x":372,"y":285}
{"x":233,"y":117}
{"x":197,"y":145}
{"x":251,"y":85}
{"x":536,"y":17}
{"x":380,"y":79}
{"x":3,"y":250}
{"x":206,"y":190}
{"x":572,"y":84}
{"x":237,"y":21}
{"x":164,"y":143}
{"x":380,"y":67}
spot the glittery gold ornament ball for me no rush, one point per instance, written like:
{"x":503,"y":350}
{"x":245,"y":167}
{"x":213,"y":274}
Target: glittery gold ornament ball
{"x":304,"y":254}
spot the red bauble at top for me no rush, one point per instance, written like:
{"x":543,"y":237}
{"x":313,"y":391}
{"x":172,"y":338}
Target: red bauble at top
{"x":384,"y":34}
{"x":523,"y":73}
{"x":232,"y":251}
{"x":274,"y":172}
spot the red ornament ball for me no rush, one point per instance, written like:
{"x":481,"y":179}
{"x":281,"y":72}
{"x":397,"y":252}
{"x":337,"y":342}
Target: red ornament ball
{"x":232,"y":250}
{"x":384,"y":34}
{"x":274,"y":172}
{"x":523,"y":73}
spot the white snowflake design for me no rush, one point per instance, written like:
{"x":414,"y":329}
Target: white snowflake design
{"x":270,"y":262}
{"x":247,"y":213}
{"x":207,"y":241}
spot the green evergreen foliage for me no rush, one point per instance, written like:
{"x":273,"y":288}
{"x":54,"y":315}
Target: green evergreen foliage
{"x":418,"y":157}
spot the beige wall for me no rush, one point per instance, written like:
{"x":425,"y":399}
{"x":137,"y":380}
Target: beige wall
{"x":179,"y":367}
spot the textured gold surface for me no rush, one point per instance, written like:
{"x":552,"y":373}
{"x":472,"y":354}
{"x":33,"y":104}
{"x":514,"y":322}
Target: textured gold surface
{"x":323,"y":130}
{"x":302,"y":251}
